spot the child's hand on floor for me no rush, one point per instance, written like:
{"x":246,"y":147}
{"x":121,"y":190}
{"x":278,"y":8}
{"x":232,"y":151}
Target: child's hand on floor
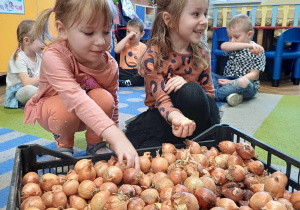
{"x":174,"y":84}
{"x":123,"y":148}
{"x":183,"y":127}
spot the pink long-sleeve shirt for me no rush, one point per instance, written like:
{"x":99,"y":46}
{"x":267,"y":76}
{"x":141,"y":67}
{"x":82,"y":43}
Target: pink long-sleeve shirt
{"x":62,"y":75}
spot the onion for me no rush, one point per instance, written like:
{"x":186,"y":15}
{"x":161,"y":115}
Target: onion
{"x":135,"y":203}
{"x":30,"y":177}
{"x":70,"y":187}
{"x":166,"y":205}
{"x":56,"y":188}
{"x":227,"y":147}
{"x":287,"y":195}
{"x":259,"y":199}
{"x":30,"y":189}
{"x":62,"y":179}
{"x":81,"y":164}
{"x":227,"y":204}
{"x":236,"y":173}
{"x":247,"y":195}
{"x":166,"y":194}
{"x":33,"y":201}
{"x":47,"y":199}
{"x":192,"y":167}
{"x":193,"y":146}
{"x":234,"y":160}
{"x":131,"y":176}
{"x":217,"y":208}
{"x":202,"y":159}
{"x":193,"y":182}
{"x":185,"y":200}
{"x":245,"y":208}
{"x":87,"y":189}
{"x":116,"y":202}
{"x":145,"y":181}
{"x":288,"y":205}
{"x":77,"y":202}
{"x":159,"y":164}
{"x":99,"y":200}
{"x":100,"y":168}
{"x":48,"y":180}
{"x":256,"y":167}
{"x":138,"y":189}
{"x":150,"y":196}
{"x":250,"y":179}
{"x":109,"y":186}
{"x":59,"y":198}
{"x":219,"y":176}
{"x":221,"y":161}
{"x":245,"y":150}
{"x":113,"y":161}
{"x":168,"y":148}
{"x":229,"y":190}
{"x":177,"y":176}
{"x":87,"y":173}
{"x":274,"y":205}
{"x":98,"y":181}
{"x":165,"y":182}
{"x":113,"y":174}
{"x":72,"y":175}
{"x":127,"y":189}
{"x":179,"y":188}
{"x":206,"y":198}
{"x":281,"y":176}
{"x":145,"y":162}
{"x":275,"y":187}
{"x":208,"y":183}
{"x":258,"y":187}
{"x":182,"y":154}
{"x":158,"y":176}
{"x":295,"y":199}
{"x":170,"y":157}
{"x":214,"y":151}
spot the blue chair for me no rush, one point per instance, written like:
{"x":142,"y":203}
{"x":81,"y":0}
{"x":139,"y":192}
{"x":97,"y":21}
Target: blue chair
{"x":283,"y":52}
{"x":219,"y":36}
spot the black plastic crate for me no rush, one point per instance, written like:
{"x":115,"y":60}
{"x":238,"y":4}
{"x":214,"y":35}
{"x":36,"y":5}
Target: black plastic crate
{"x":26,"y":159}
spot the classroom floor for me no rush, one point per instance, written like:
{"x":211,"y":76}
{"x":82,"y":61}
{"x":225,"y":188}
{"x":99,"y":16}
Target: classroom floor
{"x":286,"y":87}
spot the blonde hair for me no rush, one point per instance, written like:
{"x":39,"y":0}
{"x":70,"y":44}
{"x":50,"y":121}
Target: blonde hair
{"x":160,"y":35}
{"x":72,"y":12}
{"x":242,"y":20}
{"x":25,"y":29}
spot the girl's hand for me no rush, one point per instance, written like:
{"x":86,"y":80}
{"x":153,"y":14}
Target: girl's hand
{"x":224,"y":82}
{"x":257,"y":49}
{"x":174,"y":84}
{"x":183,"y":127}
{"x":123,"y":148}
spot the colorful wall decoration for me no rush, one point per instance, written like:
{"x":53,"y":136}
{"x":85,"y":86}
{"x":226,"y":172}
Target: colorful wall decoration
{"x":12,"y":7}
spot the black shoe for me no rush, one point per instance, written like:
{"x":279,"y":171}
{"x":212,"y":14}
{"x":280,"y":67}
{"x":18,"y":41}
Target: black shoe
{"x":125,"y":83}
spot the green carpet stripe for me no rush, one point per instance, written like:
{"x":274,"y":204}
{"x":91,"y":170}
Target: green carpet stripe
{"x":13,"y":119}
{"x":281,"y":129}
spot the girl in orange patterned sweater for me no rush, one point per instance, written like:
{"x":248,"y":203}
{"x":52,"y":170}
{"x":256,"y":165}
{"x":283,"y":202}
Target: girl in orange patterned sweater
{"x":176,"y":69}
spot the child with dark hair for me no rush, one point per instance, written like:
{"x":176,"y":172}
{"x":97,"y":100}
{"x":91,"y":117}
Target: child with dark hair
{"x":130,"y":48}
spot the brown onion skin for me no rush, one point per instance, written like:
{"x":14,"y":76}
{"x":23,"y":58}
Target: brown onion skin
{"x":33,"y":201}
{"x":295,"y":199}
{"x":275,"y":187}
{"x":30,"y":189}
{"x":236,"y":173}
{"x":70,"y":187}
{"x":217,"y":208}
{"x":168,"y":148}
{"x":77,"y":202}
{"x":256,"y":167}
{"x":177,"y":175}
{"x":109,"y":186}
{"x":59,"y":199}
{"x":135,"y":203}
{"x":281,"y":176}
{"x":206,"y":198}
{"x":150,"y":196}
{"x":227,"y":147}
{"x":288,"y":205}
{"x":159,"y":164}
{"x":48,"y":180}
{"x":274,"y":205}
{"x":259,"y":199}
{"x":145,"y":162}
{"x":245,"y":150}
{"x":30,"y":177}
{"x":219,"y":176}
{"x":194,"y":147}
{"x":208,"y":183}
{"x":166,"y":194}
{"x":127,"y":189}
{"x":227,"y":204}
{"x":250,"y":179}
{"x":188,"y":199}
{"x":245,"y":208}
{"x":99,"y":200}
{"x":234,"y":160}
{"x":131,"y":176}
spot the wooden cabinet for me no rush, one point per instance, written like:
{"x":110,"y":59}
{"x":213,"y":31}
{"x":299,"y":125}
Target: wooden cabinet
{"x":146,"y":13}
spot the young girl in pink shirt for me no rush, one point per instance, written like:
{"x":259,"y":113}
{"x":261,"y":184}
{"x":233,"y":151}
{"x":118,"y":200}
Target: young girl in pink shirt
{"x":79,"y":79}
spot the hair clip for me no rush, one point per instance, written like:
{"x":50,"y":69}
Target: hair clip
{"x":52,"y":9}
{"x":18,"y":48}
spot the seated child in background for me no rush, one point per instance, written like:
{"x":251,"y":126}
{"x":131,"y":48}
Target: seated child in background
{"x":79,"y":80}
{"x":23,"y":67}
{"x":130,"y":48}
{"x":246,"y":60}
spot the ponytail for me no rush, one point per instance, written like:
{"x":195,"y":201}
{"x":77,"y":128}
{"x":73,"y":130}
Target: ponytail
{"x":41,"y":26}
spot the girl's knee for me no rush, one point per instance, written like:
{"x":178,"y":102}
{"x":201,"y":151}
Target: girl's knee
{"x":103,"y":99}
{"x":242,"y":82}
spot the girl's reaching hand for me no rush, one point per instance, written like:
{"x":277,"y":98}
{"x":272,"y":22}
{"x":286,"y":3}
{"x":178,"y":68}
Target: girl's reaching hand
{"x":183,"y":127}
{"x":121,"y":146}
{"x":174,"y":84}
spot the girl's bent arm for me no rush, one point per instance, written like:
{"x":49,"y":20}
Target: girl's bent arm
{"x":26,"y":80}
{"x":121,"y":146}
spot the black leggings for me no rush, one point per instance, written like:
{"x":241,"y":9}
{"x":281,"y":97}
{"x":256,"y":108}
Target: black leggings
{"x":150,"y":129}
{"x":132,"y":75}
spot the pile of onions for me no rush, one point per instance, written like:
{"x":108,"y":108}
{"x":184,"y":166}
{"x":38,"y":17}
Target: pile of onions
{"x":194,"y":177}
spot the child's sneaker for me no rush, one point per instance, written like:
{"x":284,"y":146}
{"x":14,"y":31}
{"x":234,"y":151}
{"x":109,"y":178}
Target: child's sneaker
{"x":234,"y":99}
{"x":100,"y":148}
{"x":125,"y":83}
